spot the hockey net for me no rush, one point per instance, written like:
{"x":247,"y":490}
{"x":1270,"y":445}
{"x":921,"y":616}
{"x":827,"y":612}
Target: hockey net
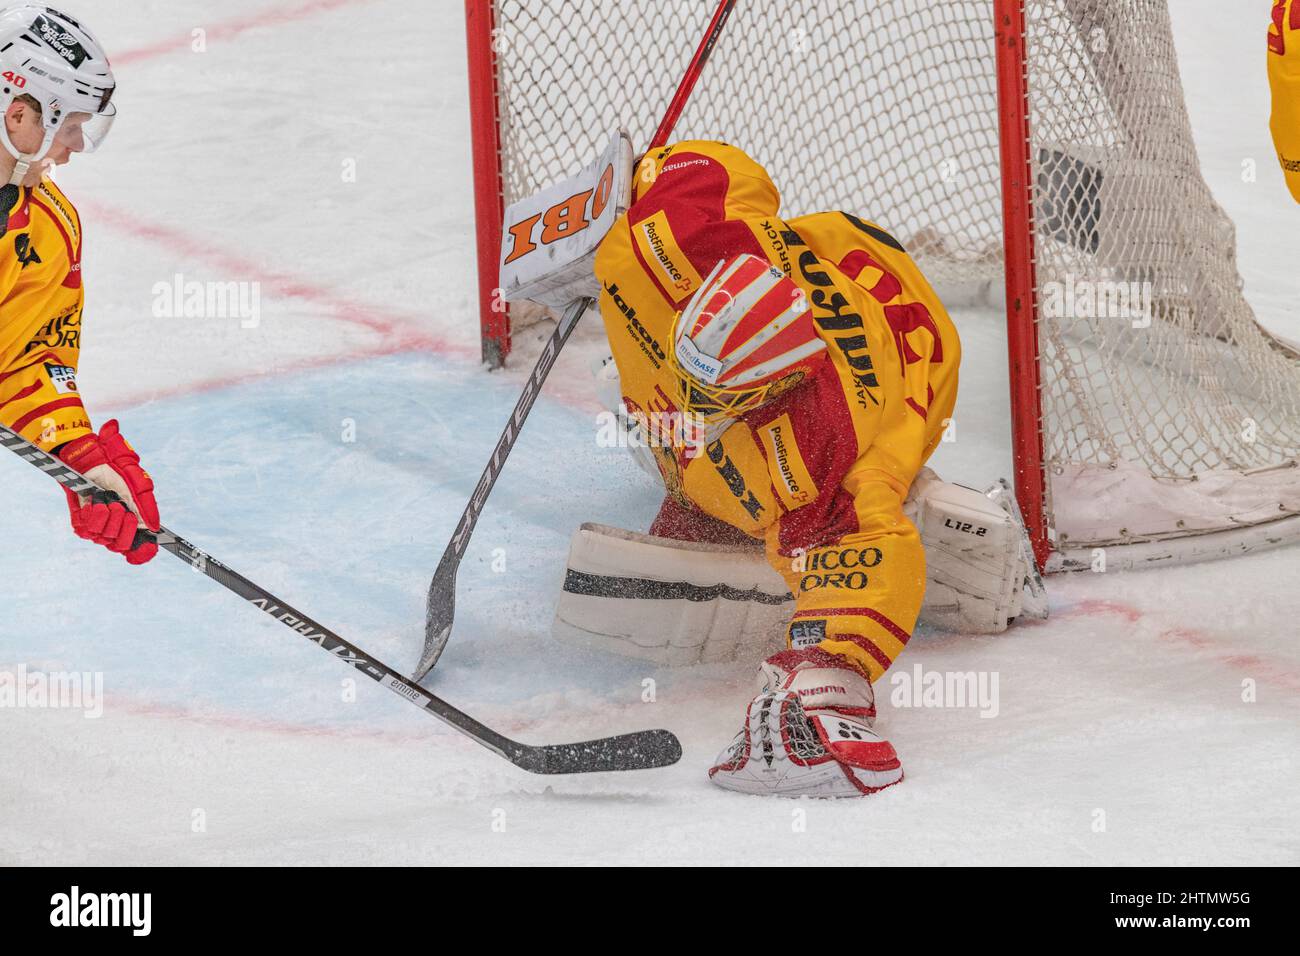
{"x":1170,"y":420}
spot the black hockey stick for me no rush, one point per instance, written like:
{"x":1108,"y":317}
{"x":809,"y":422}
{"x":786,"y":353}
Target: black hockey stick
{"x":440,"y":609}
{"x":637,"y":751}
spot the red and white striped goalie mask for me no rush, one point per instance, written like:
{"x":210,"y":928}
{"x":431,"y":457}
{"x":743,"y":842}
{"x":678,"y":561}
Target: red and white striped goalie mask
{"x":745,"y":337}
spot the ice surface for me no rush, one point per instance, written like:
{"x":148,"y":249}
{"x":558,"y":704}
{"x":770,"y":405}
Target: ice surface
{"x":1121,"y":735}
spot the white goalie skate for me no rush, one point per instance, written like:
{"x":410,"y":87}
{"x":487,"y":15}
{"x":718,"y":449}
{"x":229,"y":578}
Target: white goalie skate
{"x":808,"y":732}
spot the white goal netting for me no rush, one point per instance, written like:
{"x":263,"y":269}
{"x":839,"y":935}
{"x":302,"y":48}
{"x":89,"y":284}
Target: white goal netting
{"x":1167,"y":410}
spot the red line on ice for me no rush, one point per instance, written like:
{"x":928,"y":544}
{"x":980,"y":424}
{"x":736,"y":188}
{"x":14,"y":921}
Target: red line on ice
{"x":400,"y":327}
{"x":1271,"y":671}
{"x":400,"y":331}
{"x":233,"y":28}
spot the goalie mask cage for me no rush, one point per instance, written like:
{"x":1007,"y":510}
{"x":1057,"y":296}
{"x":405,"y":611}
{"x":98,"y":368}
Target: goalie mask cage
{"x":1034,"y":149}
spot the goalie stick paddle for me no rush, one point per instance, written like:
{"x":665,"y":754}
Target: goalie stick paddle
{"x":440,"y":607}
{"x":635,"y":751}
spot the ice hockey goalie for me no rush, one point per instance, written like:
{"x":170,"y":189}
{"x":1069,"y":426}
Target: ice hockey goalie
{"x":796,"y":375}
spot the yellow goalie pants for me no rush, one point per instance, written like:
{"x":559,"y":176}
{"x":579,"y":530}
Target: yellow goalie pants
{"x":860,"y":597}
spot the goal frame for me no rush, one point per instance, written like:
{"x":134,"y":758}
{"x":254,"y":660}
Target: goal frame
{"x":1024,"y":349}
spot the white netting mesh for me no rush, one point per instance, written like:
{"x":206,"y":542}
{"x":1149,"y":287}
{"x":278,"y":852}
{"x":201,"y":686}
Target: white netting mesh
{"x":889,"y":109}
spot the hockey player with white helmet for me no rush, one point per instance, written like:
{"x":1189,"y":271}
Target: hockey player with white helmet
{"x":56,"y":94}
{"x":55,"y":67}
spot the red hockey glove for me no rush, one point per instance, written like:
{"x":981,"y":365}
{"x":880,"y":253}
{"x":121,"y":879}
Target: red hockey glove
{"x":111,"y":463}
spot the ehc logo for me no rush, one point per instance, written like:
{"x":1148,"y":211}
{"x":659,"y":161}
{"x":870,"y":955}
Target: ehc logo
{"x":25,"y":251}
{"x":838,"y":568}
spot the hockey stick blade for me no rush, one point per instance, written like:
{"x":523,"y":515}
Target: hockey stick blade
{"x":636,"y":751}
{"x":440,"y":609}
{"x":439,"y":612}
{"x":639,"y":751}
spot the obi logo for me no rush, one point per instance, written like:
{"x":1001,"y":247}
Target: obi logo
{"x":734,"y":479}
{"x":566,"y":218}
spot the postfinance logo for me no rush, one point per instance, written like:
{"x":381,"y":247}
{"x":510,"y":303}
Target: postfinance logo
{"x":790,"y":476}
{"x":659,"y":249}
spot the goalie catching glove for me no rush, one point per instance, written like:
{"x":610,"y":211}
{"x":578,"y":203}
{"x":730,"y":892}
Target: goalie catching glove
{"x":108,"y":461}
{"x":809,"y":732}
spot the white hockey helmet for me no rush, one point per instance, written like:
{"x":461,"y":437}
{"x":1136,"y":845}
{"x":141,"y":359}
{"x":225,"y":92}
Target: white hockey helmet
{"x":52,"y":58}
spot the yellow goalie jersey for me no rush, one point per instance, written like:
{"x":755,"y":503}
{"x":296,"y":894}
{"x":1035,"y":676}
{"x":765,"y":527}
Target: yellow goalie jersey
{"x":40,"y":315}
{"x":820,"y":472}
{"x":1284,"y":81}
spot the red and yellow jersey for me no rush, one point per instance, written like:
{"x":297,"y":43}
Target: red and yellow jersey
{"x":820,"y":472}
{"x":40,"y":315}
{"x":1284,"y":82}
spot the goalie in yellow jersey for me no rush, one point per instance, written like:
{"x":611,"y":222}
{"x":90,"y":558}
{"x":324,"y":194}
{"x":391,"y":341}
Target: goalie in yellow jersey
{"x":816,"y":370}
{"x":56,"y":91}
{"x":1284,"y":82}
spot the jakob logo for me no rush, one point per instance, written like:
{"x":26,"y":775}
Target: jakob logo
{"x":653,"y":351}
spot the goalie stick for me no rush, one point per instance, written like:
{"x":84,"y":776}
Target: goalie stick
{"x":635,"y":751}
{"x":440,"y":608}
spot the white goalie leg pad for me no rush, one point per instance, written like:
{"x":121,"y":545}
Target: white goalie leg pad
{"x":980,"y":573}
{"x":670,"y":602}
{"x":676,"y":603}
